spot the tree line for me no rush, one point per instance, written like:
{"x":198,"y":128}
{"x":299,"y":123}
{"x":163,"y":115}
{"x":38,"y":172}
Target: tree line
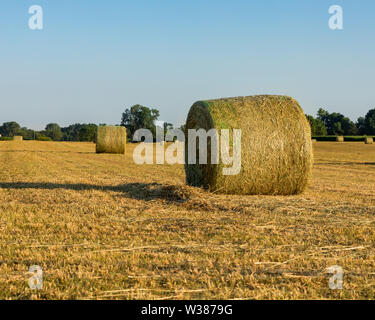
{"x":52,"y":132}
{"x":134,"y":118}
{"x":337,"y":124}
{"x":141,"y":117}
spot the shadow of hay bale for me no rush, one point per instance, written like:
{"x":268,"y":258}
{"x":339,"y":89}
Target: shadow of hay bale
{"x":188,"y":198}
{"x":139,"y":191}
{"x":152,"y":191}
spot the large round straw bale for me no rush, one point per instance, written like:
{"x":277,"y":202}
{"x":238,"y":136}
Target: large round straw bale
{"x":369,"y":140}
{"x":111,"y":139}
{"x":18,"y":138}
{"x":340,"y":139}
{"x":276,"y":147}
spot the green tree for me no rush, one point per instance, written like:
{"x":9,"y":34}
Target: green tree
{"x":361,"y":126}
{"x":167,"y":126}
{"x":80,"y":132}
{"x":336,"y":123}
{"x":323,"y":115}
{"x":53,"y":131}
{"x":320,"y":128}
{"x":337,"y":129}
{"x":317,"y":126}
{"x":71,"y":133}
{"x":139,"y":117}
{"x":41,"y":137}
{"x":370,"y":122}
{"x":27,"y":134}
{"x":10,"y":129}
{"x":87,"y":132}
{"x":348,"y":126}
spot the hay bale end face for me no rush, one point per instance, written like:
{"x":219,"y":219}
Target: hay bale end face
{"x":18,"y":138}
{"x":369,"y":140}
{"x":276,"y":146}
{"x":111,"y":139}
{"x":340,"y":139}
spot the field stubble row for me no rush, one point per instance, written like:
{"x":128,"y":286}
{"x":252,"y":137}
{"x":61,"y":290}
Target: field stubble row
{"x":103,"y":227}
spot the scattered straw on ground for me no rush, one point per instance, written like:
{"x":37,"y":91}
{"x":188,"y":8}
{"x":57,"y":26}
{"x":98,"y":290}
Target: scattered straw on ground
{"x":102,"y":227}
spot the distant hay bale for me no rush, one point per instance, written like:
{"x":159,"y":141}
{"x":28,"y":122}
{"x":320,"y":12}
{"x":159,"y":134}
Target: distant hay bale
{"x":111,"y":139}
{"x":369,"y":140}
{"x":313,"y":140}
{"x":18,"y":138}
{"x":340,"y":139}
{"x":276,"y":147}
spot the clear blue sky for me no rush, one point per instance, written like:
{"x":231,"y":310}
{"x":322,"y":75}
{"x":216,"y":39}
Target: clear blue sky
{"x":95,"y":58}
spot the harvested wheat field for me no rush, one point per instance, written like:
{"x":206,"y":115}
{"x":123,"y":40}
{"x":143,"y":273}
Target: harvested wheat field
{"x":102,"y":227}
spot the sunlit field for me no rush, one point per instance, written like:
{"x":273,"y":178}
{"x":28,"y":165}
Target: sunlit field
{"x":102,"y":227}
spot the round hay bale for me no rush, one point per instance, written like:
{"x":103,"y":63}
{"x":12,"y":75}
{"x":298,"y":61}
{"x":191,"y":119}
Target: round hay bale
{"x":369,"y":140}
{"x":276,"y":147}
{"x":18,"y":138}
{"x":111,"y":139}
{"x":340,"y":139}
{"x":313,"y":140}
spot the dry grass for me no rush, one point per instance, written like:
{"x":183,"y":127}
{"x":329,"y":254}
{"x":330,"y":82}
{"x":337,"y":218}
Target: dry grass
{"x":102,"y":227}
{"x":276,"y":163}
{"x":111,"y":139}
{"x":340,"y":139}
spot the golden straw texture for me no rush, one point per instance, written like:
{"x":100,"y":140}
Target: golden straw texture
{"x":111,"y":139}
{"x":340,"y":139}
{"x":276,"y":146}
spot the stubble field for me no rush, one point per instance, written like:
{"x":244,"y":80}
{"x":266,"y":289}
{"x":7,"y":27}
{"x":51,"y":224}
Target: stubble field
{"x":102,"y":227}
